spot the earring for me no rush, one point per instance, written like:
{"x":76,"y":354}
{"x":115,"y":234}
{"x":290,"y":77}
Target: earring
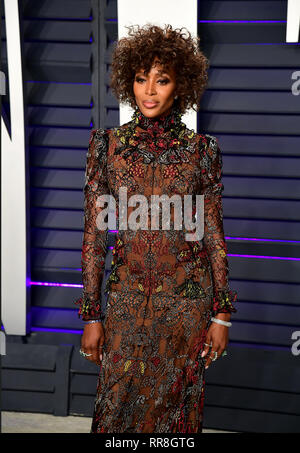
{"x":175,"y":97}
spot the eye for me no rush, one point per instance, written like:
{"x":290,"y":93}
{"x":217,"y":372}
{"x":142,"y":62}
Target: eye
{"x":163,"y":81}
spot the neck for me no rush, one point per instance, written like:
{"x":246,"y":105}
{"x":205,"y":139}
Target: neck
{"x":159,"y":124}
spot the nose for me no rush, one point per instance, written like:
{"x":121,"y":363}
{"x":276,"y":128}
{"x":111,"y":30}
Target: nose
{"x":150,"y":88}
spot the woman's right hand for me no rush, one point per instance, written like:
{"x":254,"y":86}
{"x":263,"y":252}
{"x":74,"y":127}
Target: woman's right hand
{"x":92,"y":341}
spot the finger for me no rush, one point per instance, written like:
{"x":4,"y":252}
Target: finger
{"x":207,"y":362}
{"x":207,"y":346}
{"x":93,"y":357}
{"x":88,"y":357}
{"x":221,"y":352}
{"x":214,"y":355}
{"x":96,"y":361}
{"x":98,"y":354}
{"x":101,"y":352}
{"x":211,"y":355}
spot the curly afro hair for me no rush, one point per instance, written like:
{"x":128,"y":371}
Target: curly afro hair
{"x":173,"y":48}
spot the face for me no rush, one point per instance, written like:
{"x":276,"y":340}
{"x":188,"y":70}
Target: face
{"x":154,"y":92}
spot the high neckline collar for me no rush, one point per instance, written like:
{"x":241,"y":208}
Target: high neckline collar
{"x":159,"y":124}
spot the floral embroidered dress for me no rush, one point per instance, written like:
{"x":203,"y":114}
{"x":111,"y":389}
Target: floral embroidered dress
{"x":163,"y":289}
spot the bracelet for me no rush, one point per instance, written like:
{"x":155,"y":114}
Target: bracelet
{"x":92,"y":321}
{"x":220,"y":321}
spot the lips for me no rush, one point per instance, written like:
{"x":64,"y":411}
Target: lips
{"x":150,"y":104}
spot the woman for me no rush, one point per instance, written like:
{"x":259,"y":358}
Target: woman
{"x":169,"y":302}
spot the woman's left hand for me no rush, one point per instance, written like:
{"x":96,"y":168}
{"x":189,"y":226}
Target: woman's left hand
{"x":217,"y":336}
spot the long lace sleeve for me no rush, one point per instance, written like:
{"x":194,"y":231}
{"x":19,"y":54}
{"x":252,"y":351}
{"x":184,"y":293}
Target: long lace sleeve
{"x":94,"y":244}
{"x":214,"y":240}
